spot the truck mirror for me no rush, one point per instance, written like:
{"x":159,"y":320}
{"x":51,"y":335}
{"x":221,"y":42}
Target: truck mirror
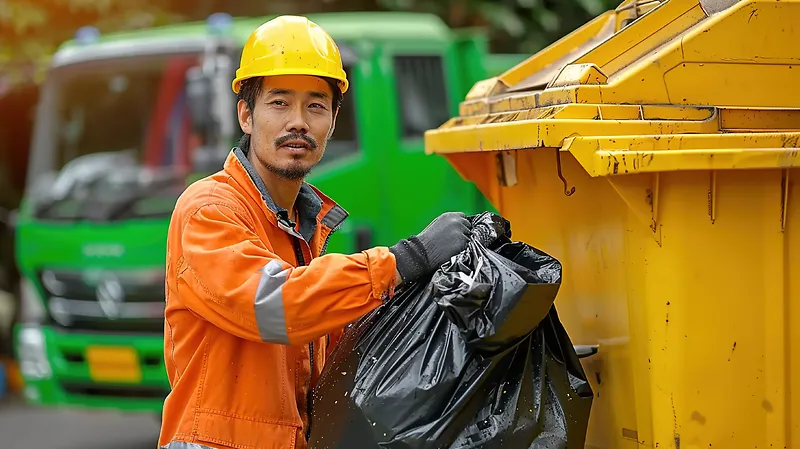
{"x":8,"y":218}
{"x":199,"y":94}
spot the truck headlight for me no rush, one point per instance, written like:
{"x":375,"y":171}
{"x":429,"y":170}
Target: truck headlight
{"x":32,"y":353}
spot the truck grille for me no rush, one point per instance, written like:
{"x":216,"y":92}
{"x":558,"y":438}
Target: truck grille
{"x":110,"y":391}
{"x":111,"y":301}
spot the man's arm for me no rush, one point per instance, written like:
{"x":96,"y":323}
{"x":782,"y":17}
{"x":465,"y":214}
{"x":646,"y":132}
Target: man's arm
{"x":245,"y":289}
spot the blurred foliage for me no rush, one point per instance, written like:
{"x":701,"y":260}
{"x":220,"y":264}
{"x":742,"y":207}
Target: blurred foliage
{"x":516,"y":26}
{"x":31,"y":30}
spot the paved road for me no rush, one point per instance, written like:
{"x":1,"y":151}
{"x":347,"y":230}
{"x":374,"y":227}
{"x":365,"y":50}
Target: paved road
{"x":24,"y":427}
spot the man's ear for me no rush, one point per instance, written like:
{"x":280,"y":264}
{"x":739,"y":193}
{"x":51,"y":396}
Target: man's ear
{"x":245,"y":117}
{"x":333,"y":123}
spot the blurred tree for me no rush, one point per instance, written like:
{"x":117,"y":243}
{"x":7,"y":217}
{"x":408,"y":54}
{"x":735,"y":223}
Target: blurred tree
{"x":516,"y":26}
{"x":31,"y":30}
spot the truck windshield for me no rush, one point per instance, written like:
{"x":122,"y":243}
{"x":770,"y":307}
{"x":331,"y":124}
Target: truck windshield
{"x":114,"y":126}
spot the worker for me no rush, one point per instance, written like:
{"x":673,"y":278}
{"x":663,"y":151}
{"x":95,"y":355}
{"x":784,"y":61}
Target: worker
{"x":253,"y":306}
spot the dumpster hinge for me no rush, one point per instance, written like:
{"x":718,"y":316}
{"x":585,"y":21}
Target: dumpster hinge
{"x":641,"y":194}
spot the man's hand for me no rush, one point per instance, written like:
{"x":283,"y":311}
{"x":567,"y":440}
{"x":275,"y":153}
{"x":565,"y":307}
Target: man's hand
{"x":422,"y":254}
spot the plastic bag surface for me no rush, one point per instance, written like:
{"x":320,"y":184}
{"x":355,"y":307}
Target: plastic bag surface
{"x":472,"y":357}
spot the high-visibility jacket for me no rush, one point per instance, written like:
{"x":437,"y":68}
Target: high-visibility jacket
{"x":253,"y":307}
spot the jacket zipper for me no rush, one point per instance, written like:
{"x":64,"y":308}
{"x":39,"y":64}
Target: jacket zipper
{"x":298,"y":251}
{"x":322,"y":253}
{"x":328,"y":238}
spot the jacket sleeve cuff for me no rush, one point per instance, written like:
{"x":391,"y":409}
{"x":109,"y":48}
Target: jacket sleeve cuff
{"x":410,"y":258}
{"x":382,"y":271}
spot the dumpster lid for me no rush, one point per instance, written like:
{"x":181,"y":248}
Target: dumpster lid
{"x":657,"y":76}
{"x":591,"y":36}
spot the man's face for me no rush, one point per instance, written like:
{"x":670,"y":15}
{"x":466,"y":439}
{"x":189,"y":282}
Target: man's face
{"x":290,"y":125}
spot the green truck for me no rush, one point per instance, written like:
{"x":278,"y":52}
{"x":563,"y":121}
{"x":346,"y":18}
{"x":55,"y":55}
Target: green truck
{"x":126,"y":120}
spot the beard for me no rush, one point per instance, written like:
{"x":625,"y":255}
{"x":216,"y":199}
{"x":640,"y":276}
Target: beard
{"x":293,"y":172}
{"x":296,"y":170}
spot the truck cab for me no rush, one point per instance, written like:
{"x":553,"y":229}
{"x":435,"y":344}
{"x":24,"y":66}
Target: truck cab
{"x":126,"y":121}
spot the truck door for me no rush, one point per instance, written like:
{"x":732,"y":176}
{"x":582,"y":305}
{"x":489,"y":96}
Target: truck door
{"x":423,"y":186}
{"x":347,"y":172}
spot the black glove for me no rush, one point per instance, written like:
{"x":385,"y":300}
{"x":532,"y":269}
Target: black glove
{"x":422,"y":254}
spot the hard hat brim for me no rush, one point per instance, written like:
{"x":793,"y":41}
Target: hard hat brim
{"x":342,"y":81}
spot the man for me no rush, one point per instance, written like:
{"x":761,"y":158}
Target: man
{"x":253,"y":305}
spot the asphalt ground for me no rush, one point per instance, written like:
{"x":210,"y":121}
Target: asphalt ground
{"x":24,"y":426}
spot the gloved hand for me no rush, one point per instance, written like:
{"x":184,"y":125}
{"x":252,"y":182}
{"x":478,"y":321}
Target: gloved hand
{"x":442,"y":239}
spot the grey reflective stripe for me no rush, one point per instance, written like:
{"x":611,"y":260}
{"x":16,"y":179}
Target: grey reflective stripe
{"x":334,"y":217}
{"x":182,"y":445}
{"x":270,"y":316}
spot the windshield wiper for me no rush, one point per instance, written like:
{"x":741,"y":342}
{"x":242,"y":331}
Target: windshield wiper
{"x":119,"y":206}
{"x":44,"y":207}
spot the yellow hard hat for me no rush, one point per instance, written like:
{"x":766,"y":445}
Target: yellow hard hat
{"x":290,"y":45}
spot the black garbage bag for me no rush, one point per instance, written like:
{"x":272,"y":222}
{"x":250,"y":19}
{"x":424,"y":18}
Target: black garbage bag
{"x":472,"y":357}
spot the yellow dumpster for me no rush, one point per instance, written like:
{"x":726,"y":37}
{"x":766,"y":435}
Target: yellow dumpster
{"x":653,"y":151}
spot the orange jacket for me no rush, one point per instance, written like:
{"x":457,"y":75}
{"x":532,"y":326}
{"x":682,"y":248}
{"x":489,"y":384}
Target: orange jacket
{"x":247,"y":326}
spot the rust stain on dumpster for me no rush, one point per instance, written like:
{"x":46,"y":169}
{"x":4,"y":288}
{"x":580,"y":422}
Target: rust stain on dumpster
{"x":753,"y":13}
{"x":696,"y":416}
{"x":790,"y":141}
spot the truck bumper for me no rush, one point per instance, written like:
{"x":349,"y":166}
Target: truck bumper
{"x":92,"y":370}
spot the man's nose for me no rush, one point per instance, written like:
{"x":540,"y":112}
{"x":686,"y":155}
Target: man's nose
{"x":297,"y":122}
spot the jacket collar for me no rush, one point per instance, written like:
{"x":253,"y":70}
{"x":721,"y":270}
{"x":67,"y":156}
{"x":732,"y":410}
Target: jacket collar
{"x":310,"y":203}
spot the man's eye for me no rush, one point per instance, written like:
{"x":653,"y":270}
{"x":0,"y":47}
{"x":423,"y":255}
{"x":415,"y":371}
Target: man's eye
{"x":279,"y":103}
{"x":318,"y":105}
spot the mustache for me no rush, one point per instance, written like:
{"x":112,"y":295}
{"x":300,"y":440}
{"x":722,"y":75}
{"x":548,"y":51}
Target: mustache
{"x":280,"y":141}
